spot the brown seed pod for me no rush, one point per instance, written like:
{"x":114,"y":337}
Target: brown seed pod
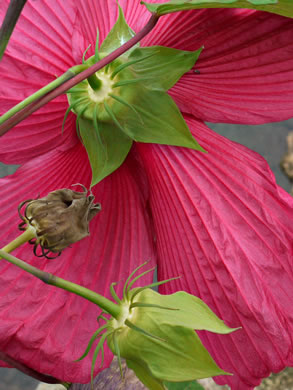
{"x":60,"y":219}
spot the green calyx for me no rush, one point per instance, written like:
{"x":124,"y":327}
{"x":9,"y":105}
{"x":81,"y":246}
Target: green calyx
{"x":94,"y":98}
{"x":156,"y":334}
{"x":128,"y":97}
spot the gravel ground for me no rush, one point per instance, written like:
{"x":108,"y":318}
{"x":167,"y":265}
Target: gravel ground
{"x":11,"y":379}
{"x":281,"y":381}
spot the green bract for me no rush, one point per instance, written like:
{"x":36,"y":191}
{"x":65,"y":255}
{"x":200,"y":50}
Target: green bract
{"x":281,"y":7}
{"x":119,"y":34}
{"x":126,"y":101}
{"x":156,"y":335}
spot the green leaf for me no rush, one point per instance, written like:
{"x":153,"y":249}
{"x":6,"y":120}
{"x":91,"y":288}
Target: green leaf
{"x":193,"y":312}
{"x":164,"y":68}
{"x":281,"y":7}
{"x":145,"y":377}
{"x":118,"y":35}
{"x":183,"y":386}
{"x":158,"y":121}
{"x":106,"y":146}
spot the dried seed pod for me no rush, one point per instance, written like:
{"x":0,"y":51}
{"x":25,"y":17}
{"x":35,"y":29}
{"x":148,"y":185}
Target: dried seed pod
{"x":60,"y":219}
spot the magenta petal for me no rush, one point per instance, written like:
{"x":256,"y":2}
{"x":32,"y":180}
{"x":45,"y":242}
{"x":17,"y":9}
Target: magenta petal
{"x":42,"y":326}
{"x":39,"y":133}
{"x":41,"y":40}
{"x":246,"y":67}
{"x":225,"y":227}
{"x":39,"y":51}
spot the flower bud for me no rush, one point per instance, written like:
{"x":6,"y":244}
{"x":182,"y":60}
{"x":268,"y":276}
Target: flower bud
{"x":158,"y":341}
{"x":60,"y":219}
{"x":156,"y":334}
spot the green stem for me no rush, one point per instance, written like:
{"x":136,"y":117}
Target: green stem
{"x":26,"y":236}
{"x":69,"y":74}
{"x":12,"y":14}
{"x":94,"y":82}
{"x":53,"y":280}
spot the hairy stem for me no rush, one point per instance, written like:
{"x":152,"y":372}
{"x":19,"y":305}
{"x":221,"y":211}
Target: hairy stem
{"x":53,"y":280}
{"x":28,"y":110}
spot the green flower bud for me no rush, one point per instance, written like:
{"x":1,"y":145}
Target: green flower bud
{"x":156,"y":335}
{"x":59,"y":219}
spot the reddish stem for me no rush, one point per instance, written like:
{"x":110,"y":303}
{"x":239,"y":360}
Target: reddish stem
{"x":12,"y":14}
{"x":27,"y":370}
{"x":21,"y":115}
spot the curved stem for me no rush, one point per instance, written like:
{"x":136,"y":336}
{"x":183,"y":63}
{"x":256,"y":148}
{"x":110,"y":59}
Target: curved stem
{"x":94,"y":82}
{"x":19,"y":116}
{"x":102,"y":302}
{"x":26,"y":236}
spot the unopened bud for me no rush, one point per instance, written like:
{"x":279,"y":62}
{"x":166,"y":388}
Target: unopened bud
{"x":156,"y":334}
{"x":60,"y":219}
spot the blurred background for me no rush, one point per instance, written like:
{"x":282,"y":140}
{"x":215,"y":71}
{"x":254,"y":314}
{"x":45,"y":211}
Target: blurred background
{"x":270,"y":141}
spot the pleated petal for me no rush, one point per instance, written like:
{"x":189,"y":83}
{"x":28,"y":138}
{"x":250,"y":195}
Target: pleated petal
{"x":42,"y":326}
{"x":225,"y":227}
{"x":40,"y":49}
{"x":246,"y":67}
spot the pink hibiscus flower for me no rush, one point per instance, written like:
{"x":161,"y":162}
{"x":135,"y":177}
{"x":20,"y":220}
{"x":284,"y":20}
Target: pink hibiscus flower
{"x":217,"y":219}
